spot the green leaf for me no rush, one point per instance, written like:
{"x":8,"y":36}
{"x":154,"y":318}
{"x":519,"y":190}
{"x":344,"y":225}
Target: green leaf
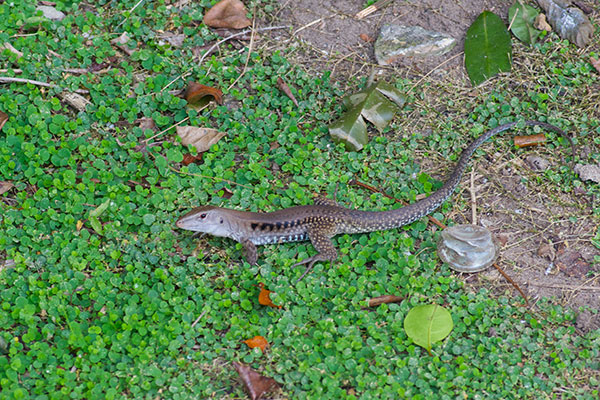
{"x":488,"y":50}
{"x":427,"y":324}
{"x":98,"y":211}
{"x":377,"y":103}
{"x":521,"y":17}
{"x":96,"y":225}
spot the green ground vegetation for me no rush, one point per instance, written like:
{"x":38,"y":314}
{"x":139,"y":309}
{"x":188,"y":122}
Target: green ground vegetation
{"x":113,"y":312}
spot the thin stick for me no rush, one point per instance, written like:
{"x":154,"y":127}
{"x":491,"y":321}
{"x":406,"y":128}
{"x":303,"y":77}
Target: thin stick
{"x":8,"y":79}
{"x":248,"y":56}
{"x":209,"y":177}
{"x":214,"y":46}
{"x":430,"y":72}
{"x":169,"y":128}
{"x":473,"y":200}
{"x":199,"y":318}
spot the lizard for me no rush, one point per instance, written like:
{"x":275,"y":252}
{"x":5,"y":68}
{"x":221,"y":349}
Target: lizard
{"x":321,"y":221}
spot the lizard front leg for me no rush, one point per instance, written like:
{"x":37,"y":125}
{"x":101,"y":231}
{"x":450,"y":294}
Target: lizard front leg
{"x":320,"y":237}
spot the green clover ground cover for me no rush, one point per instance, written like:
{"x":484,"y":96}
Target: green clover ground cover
{"x":116,"y":315}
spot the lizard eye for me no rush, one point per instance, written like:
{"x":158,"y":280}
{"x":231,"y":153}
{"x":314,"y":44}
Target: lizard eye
{"x":203,"y":215}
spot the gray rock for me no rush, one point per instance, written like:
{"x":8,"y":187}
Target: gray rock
{"x":467,"y":248}
{"x":397,"y":41}
{"x":588,"y":172}
{"x":51,"y":13}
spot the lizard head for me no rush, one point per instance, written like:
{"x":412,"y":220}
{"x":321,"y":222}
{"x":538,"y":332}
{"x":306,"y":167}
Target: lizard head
{"x":206,"y":219}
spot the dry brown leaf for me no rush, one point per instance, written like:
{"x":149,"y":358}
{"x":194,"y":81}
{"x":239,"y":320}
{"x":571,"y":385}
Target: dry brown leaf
{"x":121,"y":43}
{"x":79,"y":225}
{"x":190,"y":159}
{"x":5,"y":187}
{"x":255,"y":383}
{"x":286,"y":89}
{"x":595,"y":63}
{"x":3,"y":119}
{"x":257,"y":341}
{"x":227,"y":14}
{"x":146,"y":123}
{"x":198,"y":95}
{"x":531,"y":140}
{"x":264,"y":297}
{"x":200,"y":138}
{"x":376,"y":301}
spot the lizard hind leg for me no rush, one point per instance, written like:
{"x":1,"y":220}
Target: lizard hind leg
{"x":321,"y":241}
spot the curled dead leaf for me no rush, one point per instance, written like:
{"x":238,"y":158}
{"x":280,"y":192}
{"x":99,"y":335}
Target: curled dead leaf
{"x":286,"y":89}
{"x":531,"y":140}
{"x":198,"y":95}
{"x":257,"y":341}
{"x":5,"y":187}
{"x":200,"y":138}
{"x":264,"y":297}
{"x":255,"y":383}
{"x":227,"y":14}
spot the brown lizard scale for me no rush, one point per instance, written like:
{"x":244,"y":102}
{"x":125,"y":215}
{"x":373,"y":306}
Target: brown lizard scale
{"x":325,"y":219}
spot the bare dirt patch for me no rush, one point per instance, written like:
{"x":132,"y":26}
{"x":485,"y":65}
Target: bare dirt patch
{"x":546,"y":232}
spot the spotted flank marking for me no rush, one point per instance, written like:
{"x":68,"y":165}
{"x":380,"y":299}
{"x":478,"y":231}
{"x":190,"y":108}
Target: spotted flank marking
{"x":272,"y":239}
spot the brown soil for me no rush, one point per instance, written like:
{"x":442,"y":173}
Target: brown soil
{"x":545,"y":232}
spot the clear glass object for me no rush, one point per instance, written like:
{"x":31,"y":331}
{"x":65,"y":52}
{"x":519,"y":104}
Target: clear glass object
{"x":467,"y":248}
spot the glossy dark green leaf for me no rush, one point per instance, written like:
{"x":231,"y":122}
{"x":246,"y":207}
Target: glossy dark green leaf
{"x":488,"y":50}
{"x":378,"y":103}
{"x":521,"y":17}
{"x":427,"y":324}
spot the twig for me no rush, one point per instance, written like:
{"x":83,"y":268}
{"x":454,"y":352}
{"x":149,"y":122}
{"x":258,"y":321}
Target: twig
{"x":171,"y":127}
{"x":372,"y":8}
{"x":473,"y":200}
{"x":430,"y":72}
{"x":7,"y":79}
{"x":249,"y":52}
{"x":199,"y":318}
{"x":214,"y":46}
{"x":208,"y":177}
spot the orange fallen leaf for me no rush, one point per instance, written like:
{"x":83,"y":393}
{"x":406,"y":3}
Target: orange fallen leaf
{"x":190,"y":159}
{"x":5,"y":186}
{"x":264,"y":297}
{"x":376,"y":301}
{"x":3,"y":119}
{"x":257,"y":341}
{"x":227,"y":14}
{"x":531,"y":140}
{"x":200,"y":138}
{"x":255,"y":383}
{"x":286,"y":89}
{"x":198,"y":95}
